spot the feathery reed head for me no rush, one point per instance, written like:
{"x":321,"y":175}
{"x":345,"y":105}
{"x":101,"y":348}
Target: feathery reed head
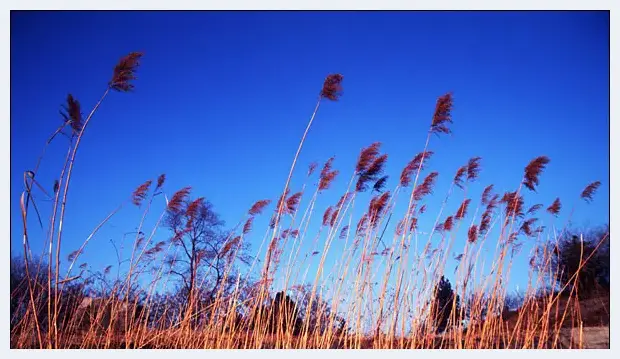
{"x":533,"y":170}
{"x":176,"y":202}
{"x":372,"y":173}
{"x":514,"y":204}
{"x":426,"y":187}
{"x":458,"y":177}
{"x":344,"y":232}
{"x":589,"y":191}
{"x":344,"y":199}
{"x":380,"y":184}
{"x":247,"y":227}
{"x":377,"y":206}
{"x":413,"y":224}
{"x":462,"y":211}
{"x":292,"y":202}
{"x":555,"y":207}
{"x":311,"y":168}
{"x":334,"y":216}
{"x":257,"y":208}
{"x":485,"y":222}
{"x":362,"y":224}
{"x":327,"y":215}
{"x":194,"y":207}
{"x":442,"y":114}
{"x":332,"y":87}
{"x":526,"y":226}
{"x":124,"y":72}
{"x":139,"y":194}
{"x":534,"y":209}
{"x":448,"y":224}
{"x":327,"y":175}
{"x":472,"y":233}
{"x":367,"y":156}
{"x":486,"y":194}
{"x":160,"y":181}
{"x":473,"y":168}
{"x":416,"y":164}
{"x":73,"y":114}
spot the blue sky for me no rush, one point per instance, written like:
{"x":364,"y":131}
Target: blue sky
{"x":223,"y":98}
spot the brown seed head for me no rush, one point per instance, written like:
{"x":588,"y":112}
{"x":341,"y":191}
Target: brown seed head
{"x":327,"y":215}
{"x":486,"y":194}
{"x":416,"y":164}
{"x":458,"y":177}
{"x":473,"y":169}
{"x":125,"y":72}
{"x":332,"y":87}
{"x":462,"y":211}
{"x":73,"y":114}
{"x":175,"y":203}
{"x":534,"y":209}
{"x":372,"y":173}
{"x":140,"y":193}
{"x":514,"y":204}
{"x":292,"y":202}
{"x":533,"y":170}
{"x":258,"y":207}
{"x":426,"y":187}
{"x":344,"y":231}
{"x":367,"y":156}
{"x":589,"y":191}
{"x":472,"y":233}
{"x":247,"y":227}
{"x":555,"y":207}
{"x":442,"y":115}
{"x":160,"y":181}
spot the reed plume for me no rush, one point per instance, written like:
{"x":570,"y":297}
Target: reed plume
{"x":258,"y":207}
{"x":442,"y":115}
{"x":73,"y":114}
{"x":462,"y":211}
{"x":372,"y":173}
{"x":533,"y":171}
{"x":292,"y":202}
{"x":416,"y":164}
{"x":332,"y":87}
{"x":534,"y":209}
{"x":160,"y":181}
{"x":589,"y":191}
{"x":344,"y":231}
{"x":367,"y":156}
{"x":448,"y":224}
{"x":486,"y":194}
{"x":312,"y":167}
{"x":473,"y":168}
{"x":125,"y":72}
{"x":247,"y":227}
{"x":380,"y":184}
{"x":327,"y":175}
{"x":458,"y":177}
{"x":472,"y":233}
{"x":514,"y":204}
{"x":139,"y":194}
{"x":176,"y":202}
{"x":426,"y":187}
{"x":377,"y":206}
{"x":555,"y":207}
{"x":327,"y":215}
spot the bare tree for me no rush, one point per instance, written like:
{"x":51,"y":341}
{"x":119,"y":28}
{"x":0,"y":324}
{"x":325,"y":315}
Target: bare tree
{"x":204,"y":249}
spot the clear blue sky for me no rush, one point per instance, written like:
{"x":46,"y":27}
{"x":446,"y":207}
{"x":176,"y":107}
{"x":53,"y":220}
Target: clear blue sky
{"x":223,"y":98}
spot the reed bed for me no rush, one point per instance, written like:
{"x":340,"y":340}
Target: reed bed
{"x":377,"y":268}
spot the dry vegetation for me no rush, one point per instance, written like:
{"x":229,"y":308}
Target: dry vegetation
{"x":385,"y":290}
